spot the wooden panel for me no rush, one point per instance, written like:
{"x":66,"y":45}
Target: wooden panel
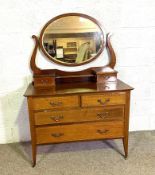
{"x":55,"y":102}
{"x":44,"y":81}
{"x":72,"y":116}
{"x":103,"y":99}
{"x":76,"y":88}
{"x":85,"y":131}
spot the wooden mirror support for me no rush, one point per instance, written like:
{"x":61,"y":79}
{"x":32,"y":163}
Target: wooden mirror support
{"x":50,"y":77}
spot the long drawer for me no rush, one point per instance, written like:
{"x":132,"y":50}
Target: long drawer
{"x":55,"y":102}
{"x":115,"y":113}
{"x":84,"y":131}
{"x":103,"y":99}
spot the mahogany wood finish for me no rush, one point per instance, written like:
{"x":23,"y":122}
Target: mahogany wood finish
{"x":103,"y":99}
{"x":56,"y":115}
{"x":66,"y":116}
{"x":92,"y":101}
{"x":111,"y":52}
{"x":44,"y":77}
{"x":50,"y":77}
{"x":55,"y":102}
{"x":33,"y":65}
{"x":75,"y":132}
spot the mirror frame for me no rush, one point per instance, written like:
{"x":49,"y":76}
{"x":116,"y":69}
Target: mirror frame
{"x":65,"y":15}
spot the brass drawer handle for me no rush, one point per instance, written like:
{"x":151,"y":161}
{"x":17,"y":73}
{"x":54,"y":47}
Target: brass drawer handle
{"x":103,"y":131}
{"x":103,"y":115}
{"x":56,"y":118}
{"x":57,"y":134}
{"x":103,"y":102}
{"x":55,"y":103}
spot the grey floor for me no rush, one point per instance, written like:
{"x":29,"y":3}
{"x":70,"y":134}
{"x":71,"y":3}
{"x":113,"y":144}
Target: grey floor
{"x":82,"y":158}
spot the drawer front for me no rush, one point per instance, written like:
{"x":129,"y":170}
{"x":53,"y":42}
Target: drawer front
{"x":44,"y":81}
{"x":103,"y":99}
{"x":85,"y":131}
{"x":72,"y":116}
{"x":55,"y":102}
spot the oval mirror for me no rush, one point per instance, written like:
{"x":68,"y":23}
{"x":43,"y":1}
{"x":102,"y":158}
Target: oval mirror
{"x":72,"y":39}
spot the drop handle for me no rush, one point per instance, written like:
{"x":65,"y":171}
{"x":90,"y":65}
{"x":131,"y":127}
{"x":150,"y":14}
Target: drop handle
{"x":103,"y":102}
{"x":102,"y":131}
{"x":57,"y":134}
{"x":56,"y":118}
{"x":55,"y":103}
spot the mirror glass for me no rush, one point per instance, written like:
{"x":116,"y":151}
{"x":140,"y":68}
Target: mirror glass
{"x":72,"y":40}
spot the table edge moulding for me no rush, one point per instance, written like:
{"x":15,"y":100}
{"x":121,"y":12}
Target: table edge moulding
{"x":93,"y":100}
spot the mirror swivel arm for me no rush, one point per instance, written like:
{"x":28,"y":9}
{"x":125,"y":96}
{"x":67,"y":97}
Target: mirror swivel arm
{"x":111,"y":52}
{"x":33,"y":65}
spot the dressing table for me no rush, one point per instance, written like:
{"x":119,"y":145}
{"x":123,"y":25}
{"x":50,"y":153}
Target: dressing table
{"x":91,"y":104}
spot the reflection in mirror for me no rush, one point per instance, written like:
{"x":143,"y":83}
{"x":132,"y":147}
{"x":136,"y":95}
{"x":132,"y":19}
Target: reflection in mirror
{"x":72,"y":40}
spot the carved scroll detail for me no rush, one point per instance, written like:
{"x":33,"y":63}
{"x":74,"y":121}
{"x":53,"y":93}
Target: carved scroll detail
{"x":111,"y":52}
{"x":33,"y":65}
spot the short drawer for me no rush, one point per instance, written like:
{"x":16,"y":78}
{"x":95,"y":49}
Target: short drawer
{"x":103,"y":99}
{"x":85,"y":131}
{"x":44,"y":81}
{"x":115,"y":113}
{"x":55,"y":102}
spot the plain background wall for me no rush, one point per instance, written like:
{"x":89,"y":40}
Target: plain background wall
{"x":132,"y":23}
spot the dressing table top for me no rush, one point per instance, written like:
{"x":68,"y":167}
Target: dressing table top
{"x":77,"y":88}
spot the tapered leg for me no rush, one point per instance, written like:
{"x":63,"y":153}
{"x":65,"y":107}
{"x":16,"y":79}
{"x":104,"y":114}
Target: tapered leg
{"x":32,"y":131}
{"x":126,"y":124}
{"x":125,"y":144}
{"x":34,"y":150}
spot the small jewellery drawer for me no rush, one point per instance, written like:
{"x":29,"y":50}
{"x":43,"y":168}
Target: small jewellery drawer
{"x":43,"y":81}
{"x":55,"y":102}
{"x":103,"y":99}
{"x":73,"y":116}
{"x":85,"y":131}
